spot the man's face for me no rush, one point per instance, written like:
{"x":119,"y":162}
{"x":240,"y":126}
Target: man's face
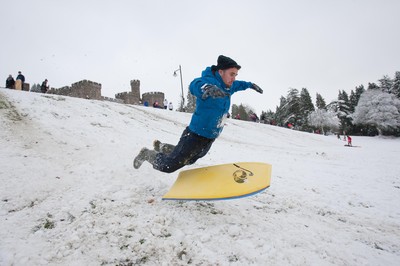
{"x":228,"y":75}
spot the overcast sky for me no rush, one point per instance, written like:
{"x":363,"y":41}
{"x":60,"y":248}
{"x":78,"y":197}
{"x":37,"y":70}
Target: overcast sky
{"x":324,"y":46}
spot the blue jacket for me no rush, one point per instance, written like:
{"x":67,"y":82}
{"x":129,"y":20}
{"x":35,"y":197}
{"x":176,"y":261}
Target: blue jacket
{"x":208,"y":118}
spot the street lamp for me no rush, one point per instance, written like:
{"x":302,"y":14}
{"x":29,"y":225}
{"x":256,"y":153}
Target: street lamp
{"x":180,"y":74}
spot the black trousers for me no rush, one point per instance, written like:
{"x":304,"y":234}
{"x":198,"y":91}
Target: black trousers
{"x":189,"y":149}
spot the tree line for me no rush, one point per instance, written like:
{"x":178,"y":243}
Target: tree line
{"x":370,"y":111}
{"x":365,"y":111}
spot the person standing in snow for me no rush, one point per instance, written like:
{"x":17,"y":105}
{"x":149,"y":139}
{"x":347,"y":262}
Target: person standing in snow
{"x":10,"y":82}
{"x":20,"y":80}
{"x":170,"y":106}
{"x":213,"y":91}
{"x":165,"y":104}
{"x":349,"y":141}
{"x":44,"y":87}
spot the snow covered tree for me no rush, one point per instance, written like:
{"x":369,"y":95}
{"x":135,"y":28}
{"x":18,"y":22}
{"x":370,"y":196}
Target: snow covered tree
{"x":292,"y":108}
{"x":343,"y":111}
{"x":320,"y":102}
{"x":396,"y":85}
{"x":280,"y":112}
{"x":379,"y":109}
{"x":355,"y":97}
{"x":305,"y":107}
{"x":182,"y":106}
{"x":324,"y":120}
{"x":268,"y":117}
{"x":36,"y":88}
{"x":191,"y":103}
{"x":386,"y":84}
{"x":372,"y":86}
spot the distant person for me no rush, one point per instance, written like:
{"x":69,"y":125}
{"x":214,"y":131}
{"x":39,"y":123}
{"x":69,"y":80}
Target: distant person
{"x":19,"y":82}
{"x":165,"y":104}
{"x":349,"y":141}
{"x":254,"y":117}
{"x":45,"y":87}
{"x":10,"y":82}
{"x":155,"y":105}
{"x":213,"y":91}
{"x":170,"y":106}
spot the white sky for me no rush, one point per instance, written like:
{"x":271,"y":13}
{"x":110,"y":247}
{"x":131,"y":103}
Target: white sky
{"x":324,"y":46}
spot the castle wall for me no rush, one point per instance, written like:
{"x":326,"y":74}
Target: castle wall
{"x":127,"y":98}
{"x":85,"y":89}
{"x":152,"y":97}
{"x":105,"y":98}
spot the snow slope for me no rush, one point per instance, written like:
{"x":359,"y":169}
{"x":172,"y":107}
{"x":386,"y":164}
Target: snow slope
{"x":70,"y":196}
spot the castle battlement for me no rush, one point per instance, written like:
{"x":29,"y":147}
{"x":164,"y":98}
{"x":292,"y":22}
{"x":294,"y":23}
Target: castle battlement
{"x":153,"y":93}
{"x":87,"y":89}
{"x":82,"y":89}
{"x":152,"y":97}
{"x":86,"y":82}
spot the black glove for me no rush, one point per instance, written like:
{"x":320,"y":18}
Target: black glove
{"x":213,"y":91}
{"x":256,"y":88}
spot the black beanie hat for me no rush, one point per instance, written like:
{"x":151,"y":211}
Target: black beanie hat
{"x":225,"y":62}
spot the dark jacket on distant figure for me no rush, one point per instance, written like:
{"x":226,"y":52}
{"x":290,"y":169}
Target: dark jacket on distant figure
{"x":21,"y":77}
{"x":10,"y":82}
{"x":44,"y":87}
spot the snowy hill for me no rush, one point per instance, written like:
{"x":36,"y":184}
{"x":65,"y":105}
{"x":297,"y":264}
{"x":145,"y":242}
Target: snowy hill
{"x":70,"y":196}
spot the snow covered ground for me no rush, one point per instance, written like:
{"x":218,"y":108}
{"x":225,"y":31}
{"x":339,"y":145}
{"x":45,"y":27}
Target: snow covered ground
{"x":70,"y":196}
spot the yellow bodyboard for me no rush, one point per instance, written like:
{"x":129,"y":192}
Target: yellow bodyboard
{"x":225,"y":181}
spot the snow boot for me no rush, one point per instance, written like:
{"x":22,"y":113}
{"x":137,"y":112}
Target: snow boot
{"x":144,"y":155}
{"x":163,"y":147}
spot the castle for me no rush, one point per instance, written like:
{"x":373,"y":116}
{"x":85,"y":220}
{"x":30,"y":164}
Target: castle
{"x":87,"y":89}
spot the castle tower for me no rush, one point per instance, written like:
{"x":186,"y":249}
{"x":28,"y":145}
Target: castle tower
{"x":132,"y":97}
{"x":135,"y":88}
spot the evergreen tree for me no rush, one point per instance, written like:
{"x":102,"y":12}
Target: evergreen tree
{"x":280,"y":112}
{"x":306,"y":107}
{"x":379,"y":109}
{"x":320,"y":102}
{"x":36,"y":88}
{"x":372,"y":86}
{"x":243,"y":111}
{"x":292,"y":108}
{"x":359,"y":91}
{"x":354,"y":99}
{"x":191,"y":102}
{"x":343,"y":111}
{"x":182,"y":106}
{"x":396,"y":85}
{"x":235,"y":110}
{"x":386,"y":84}
{"x":268,"y":117}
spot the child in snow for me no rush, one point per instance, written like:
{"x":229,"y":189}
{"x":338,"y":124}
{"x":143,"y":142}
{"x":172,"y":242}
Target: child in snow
{"x":213,"y":91}
{"x":349,"y":141}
